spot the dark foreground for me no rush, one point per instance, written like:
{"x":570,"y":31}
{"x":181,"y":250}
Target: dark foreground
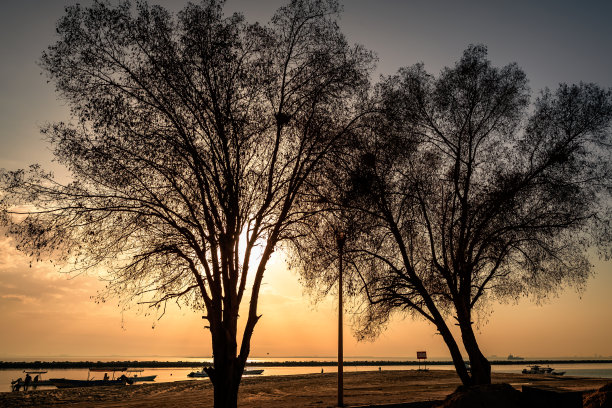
{"x":312,"y":390}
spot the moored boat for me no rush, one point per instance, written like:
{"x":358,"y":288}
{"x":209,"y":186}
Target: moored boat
{"x":92,"y":382}
{"x":198,"y":374}
{"x":36,"y":381}
{"x":139,"y":378}
{"x":67,"y":383}
{"x":537,"y":369}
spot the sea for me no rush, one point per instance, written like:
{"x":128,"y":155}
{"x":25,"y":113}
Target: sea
{"x":170,"y":374}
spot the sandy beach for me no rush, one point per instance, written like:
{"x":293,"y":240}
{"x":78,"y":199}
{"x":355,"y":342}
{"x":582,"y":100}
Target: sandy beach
{"x":312,"y":390}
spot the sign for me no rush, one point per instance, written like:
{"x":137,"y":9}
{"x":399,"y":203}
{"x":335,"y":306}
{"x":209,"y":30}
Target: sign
{"x":421,"y":355}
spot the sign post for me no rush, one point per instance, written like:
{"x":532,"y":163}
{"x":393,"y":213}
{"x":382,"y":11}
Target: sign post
{"x":340,"y":238}
{"x":422,"y":355}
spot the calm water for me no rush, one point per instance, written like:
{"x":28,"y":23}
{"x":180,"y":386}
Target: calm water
{"x":603,"y":370}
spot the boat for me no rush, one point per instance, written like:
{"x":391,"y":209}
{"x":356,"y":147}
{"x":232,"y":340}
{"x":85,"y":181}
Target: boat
{"x":198,"y":374}
{"x":36,"y":381}
{"x":139,"y":378}
{"x":203,"y":374}
{"x":66,"y":383}
{"x":91,"y":382}
{"x":537,"y":369}
{"x":514,"y":358}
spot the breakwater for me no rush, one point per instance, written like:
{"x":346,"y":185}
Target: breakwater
{"x":296,"y":363}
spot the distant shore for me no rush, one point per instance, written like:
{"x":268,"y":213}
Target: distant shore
{"x":369,"y":388}
{"x":296,"y":363}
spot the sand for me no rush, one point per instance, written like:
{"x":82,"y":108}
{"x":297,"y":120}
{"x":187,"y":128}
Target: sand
{"x":311,"y":390}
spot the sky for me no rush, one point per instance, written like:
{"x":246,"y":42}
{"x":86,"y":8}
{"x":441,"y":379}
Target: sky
{"x":45,"y":313}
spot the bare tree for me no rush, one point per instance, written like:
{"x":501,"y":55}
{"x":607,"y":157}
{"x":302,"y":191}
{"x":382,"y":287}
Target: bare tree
{"x":193,"y":137}
{"x":453,"y":195}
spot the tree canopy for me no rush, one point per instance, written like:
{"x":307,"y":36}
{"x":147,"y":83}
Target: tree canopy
{"x":192,"y":138}
{"x":457,"y":191}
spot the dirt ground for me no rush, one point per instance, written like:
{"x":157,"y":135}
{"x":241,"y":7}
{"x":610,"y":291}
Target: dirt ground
{"x":312,"y":390}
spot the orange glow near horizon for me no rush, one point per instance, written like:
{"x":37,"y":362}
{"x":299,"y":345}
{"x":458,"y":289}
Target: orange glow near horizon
{"x":45,"y":314}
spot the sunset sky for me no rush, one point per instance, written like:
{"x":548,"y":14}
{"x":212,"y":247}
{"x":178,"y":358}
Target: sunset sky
{"x":44,"y":313}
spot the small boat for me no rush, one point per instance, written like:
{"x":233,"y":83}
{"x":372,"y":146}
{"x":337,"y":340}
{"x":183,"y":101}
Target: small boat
{"x":537,"y":369}
{"x":198,"y":374}
{"x":66,"y":383}
{"x":91,"y":382}
{"x":138,"y":378}
{"x":37,"y":381}
{"x":203,"y":374}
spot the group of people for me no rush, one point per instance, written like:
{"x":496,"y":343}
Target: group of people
{"x":25,"y":384}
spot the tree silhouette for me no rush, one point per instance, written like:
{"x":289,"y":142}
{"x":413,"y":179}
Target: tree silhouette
{"x":453,"y":195}
{"x":193,"y":137}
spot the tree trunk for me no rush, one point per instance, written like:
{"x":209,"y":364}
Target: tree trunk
{"x":460,"y":367}
{"x":225,"y":387}
{"x":480,"y":366}
{"x":226,"y":373}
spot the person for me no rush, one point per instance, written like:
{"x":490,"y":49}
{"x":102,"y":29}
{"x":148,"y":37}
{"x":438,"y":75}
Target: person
{"x":16,"y":384}
{"x":35,"y":382}
{"x":27,"y":382}
{"x":125,"y":379}
{"x":105,"y":376}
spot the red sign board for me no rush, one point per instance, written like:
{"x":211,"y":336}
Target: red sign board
{"x":421,"y":355}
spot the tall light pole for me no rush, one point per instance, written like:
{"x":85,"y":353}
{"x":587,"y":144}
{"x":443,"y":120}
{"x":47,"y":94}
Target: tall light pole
{"x":340,"y":239}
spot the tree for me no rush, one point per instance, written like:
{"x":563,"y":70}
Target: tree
{"x":452,"y":196}
{"x":193,"y":137}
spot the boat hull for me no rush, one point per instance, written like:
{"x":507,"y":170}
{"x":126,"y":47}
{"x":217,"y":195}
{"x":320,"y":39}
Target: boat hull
{"x":41,"y":383}
{"x":143,"y":378}
{"x":66,"y":383}
{"x":197,"y":374}
{"x":16,"y":385}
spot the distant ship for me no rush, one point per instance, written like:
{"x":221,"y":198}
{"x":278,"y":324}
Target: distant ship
{"x":511,"y":357}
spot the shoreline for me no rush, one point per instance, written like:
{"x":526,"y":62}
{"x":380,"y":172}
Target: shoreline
{"x":9,"y":365}
{"x":309,"y":390}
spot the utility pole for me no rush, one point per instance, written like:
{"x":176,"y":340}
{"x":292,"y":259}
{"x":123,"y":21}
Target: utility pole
{"x":340,"y":238}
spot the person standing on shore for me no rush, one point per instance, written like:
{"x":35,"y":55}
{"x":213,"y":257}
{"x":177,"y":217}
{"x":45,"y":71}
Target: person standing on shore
{"x":28,"y":380}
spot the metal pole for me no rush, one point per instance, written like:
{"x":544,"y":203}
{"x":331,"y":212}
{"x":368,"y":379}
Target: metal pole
{"x":340,"y":237}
